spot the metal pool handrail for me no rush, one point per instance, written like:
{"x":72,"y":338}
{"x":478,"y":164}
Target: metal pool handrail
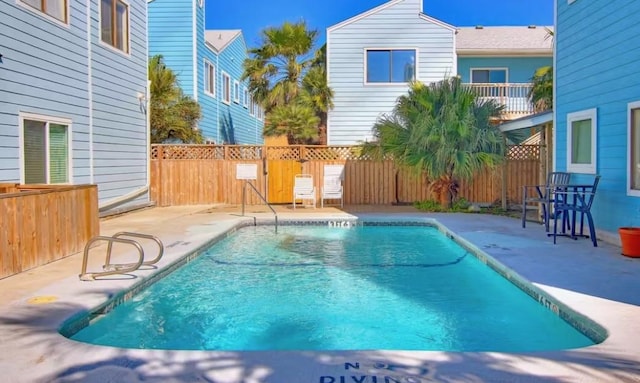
{"x":84,"y":276}
{"x":244,"y":195}
{"x":136,"y":235}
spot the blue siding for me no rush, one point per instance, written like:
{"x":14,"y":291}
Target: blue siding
{"x":520,"y":69}
{"x":119,"y":122}
{"x":235,"y":123}
{"x":208,"y":103}
{"x":54,"y":70}
{"x":43,"y":71}
{"x":596,"y":67}
{"x":171,"y":35}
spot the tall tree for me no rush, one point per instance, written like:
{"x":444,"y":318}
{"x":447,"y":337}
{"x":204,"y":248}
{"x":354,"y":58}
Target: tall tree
{"x":316,"y":92}
{"x":275,"y":69}
{"x":286,"y":76}
{"x":541,"y":93}
{"x":444,"y":130}
{"x":173,"y":114}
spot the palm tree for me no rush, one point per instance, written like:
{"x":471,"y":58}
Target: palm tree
{"x":442,"y":129}
{"x":541,"y":93}
{"x":295,"y":120}
{"x":173,"y":115}
{"x":275,"y":69}
{"x":316,"y":92}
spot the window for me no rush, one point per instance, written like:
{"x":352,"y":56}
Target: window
{"x":54,"y":8}
{"x":45,"y":150}
{"x":390,"y":66}
{"x":252,"y":107}
{"x":209,"y":79}
{"x":226,"y":88}
{"x":245,"y":97}
{"x":581,"y":141}
{"x":114,"y":24}
{"x":486,"y":76}
{"x":236,"y":91}
{"x":633,"y":152}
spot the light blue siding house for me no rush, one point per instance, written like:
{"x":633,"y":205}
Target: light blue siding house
{"x":372,"y":57}
{"x":597,"y":104}
{"x":209,"y":66}
{"x":73,"y":91}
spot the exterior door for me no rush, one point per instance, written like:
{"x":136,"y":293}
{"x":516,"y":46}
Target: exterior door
{"x":280,"y":180}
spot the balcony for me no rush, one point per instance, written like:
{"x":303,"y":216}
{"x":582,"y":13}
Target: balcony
{"x":514,"y":96}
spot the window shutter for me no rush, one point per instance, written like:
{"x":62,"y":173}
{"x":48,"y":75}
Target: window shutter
{"x":34,"y":152}
{"x":58,"y":154}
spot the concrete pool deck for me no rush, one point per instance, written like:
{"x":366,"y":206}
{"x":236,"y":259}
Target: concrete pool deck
{"x":597,"y":282}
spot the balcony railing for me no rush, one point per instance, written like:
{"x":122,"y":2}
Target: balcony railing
{"x":514,"y":96}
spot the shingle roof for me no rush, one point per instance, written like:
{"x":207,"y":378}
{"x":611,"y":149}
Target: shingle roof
{"x":512,"y":40}
{"x":219,"y":39}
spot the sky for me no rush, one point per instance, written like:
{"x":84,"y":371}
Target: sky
{"x":254,"y":15}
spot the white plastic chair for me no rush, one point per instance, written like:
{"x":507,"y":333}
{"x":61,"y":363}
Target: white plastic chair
{"x":304,"y":189}
{"x":332,"y":184}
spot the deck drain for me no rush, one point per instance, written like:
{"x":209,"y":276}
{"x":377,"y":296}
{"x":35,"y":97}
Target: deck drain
{"x":42,"y":300}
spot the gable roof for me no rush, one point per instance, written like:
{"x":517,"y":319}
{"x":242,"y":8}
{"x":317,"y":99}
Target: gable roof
{"x":514,"y":40}
{"x":382,"y":7}
{"x":219,"y":39}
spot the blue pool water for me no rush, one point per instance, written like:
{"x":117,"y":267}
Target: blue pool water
{"x":324,"y":288}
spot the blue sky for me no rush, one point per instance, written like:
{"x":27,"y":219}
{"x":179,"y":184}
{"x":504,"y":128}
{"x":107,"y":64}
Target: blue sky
{"x":254,"y":15}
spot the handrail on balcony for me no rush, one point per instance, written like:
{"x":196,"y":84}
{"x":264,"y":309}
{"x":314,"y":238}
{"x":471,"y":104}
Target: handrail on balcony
{"x":514,"y":96}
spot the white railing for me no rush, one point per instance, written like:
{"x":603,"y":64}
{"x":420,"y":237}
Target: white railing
{"x":514,"y":96}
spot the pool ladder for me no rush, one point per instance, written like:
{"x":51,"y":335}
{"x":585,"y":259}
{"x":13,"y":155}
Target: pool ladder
{"x":119,"y":268}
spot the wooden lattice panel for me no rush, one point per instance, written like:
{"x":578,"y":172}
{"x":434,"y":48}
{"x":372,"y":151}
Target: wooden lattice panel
{"x":243,"y":152}
{"x":187,"y":152}
{"x":523,"y":152}
{"x":327,"y":153}
{"x":283,"y":152}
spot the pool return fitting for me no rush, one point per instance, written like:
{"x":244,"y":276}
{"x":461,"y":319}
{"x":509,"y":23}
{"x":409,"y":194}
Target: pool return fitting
{"x":119,"y":268}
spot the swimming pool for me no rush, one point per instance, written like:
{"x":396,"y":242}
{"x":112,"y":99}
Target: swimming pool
{"x":334,"y":288}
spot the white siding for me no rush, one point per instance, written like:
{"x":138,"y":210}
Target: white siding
{"x":356,"y":105}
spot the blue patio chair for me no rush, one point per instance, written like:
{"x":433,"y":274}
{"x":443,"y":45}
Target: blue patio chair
{"x":543,"y":195}
{"x":576,"y":199}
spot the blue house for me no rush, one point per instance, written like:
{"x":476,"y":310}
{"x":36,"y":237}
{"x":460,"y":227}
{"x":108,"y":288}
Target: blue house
{"x":209,"y":66}
{"x":374,"y":55}
{"x":73,"y":91}
{"x":597,"y":104}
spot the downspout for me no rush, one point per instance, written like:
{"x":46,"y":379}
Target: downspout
{"x":147,"y":104}
{"x":90,"y":88}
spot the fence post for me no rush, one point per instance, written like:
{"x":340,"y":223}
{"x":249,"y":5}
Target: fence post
{"x":504,"y":175}
{"x":160,"y":176}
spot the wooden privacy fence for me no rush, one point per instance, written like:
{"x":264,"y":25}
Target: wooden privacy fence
{"x":42,"y":223}
{"x":206,"y":174}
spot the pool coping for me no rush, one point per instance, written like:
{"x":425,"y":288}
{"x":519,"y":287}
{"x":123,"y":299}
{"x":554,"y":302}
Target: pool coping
{"x":532,"y":366}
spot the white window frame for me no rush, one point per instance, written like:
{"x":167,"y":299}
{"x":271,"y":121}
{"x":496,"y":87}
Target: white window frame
{"x":126,"y":53}
{"x":208,"y":63}
{"x":505,"y":69}
{"x":588,"y":114}
{"x":252,"y":107}
{"x":48,"y":120}
{"x":226,"y":97}
{"x":630,"y":106}
{"x":403,"y":84}
{"x":236,"y":91}
{"x":245,"y":97}
{"x":46,"y":16}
